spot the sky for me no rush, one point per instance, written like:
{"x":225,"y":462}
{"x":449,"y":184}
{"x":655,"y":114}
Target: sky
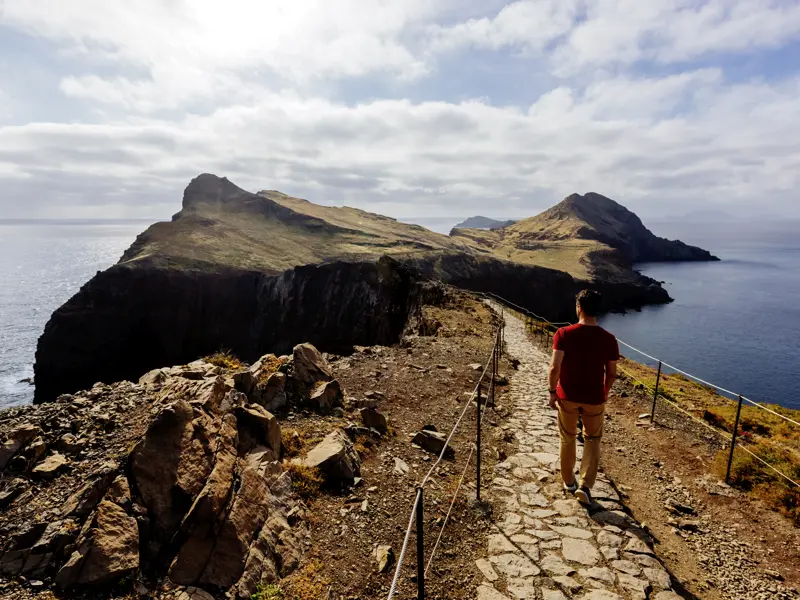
{"x":434,"y":108}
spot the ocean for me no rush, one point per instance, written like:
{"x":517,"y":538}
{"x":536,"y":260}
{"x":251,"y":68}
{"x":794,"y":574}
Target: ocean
{"x":735,"y":323}
{"x":42,"y":264}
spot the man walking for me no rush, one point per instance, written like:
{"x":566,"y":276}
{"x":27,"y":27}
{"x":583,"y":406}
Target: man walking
{"x":582,"y":371}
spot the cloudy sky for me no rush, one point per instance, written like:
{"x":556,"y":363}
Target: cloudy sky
{"x":405,"y":107}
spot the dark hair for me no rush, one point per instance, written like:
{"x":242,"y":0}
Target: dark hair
{"x":590,"y":302}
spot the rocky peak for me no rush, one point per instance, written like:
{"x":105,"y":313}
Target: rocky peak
{"x":210,"y":189}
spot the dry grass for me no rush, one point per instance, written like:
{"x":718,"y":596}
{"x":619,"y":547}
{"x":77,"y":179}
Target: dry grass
{"x":766,"y":435}
{"x":292,"y":443}
{"x":308,"y":583}
{"x":271,"y":365}
{"x":225,"y":359}
{"x":306,"y":481}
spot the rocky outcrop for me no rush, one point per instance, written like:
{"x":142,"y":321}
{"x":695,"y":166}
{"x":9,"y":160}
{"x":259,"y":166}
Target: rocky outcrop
{"x":178,"y":481}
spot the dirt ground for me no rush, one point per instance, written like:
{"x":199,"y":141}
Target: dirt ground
{"x":425,"y":381}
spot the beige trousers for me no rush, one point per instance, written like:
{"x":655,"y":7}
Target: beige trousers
{"x":592,"y":416}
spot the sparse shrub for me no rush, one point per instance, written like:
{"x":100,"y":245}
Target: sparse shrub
{"x":308,"y":583}
{"x":225,"y":359}
{"x":306,"y":481}
{"x":268,"y":592}
{"x":362,"y":445}
{"x":291,"y":442}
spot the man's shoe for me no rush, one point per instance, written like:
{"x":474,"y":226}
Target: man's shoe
{"x":571,"y":489}
{"x":584,"y":496}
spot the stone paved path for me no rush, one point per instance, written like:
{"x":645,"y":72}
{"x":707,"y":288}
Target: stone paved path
{"x":544,"y":544}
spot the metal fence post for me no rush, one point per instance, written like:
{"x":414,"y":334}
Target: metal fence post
{"x":655,"y":395}
{"x":733,"y":440}
{"x":478,"y":446}
{"x":420,"y":547}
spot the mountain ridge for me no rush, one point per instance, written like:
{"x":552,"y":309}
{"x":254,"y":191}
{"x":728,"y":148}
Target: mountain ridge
{"x":260,"y":272}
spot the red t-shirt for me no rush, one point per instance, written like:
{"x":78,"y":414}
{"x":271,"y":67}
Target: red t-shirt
{"x":587,"y":349}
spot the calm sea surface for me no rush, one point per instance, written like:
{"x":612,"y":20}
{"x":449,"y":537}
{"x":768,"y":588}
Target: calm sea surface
{"x":734,"y":323}
{"x":41,"y":266}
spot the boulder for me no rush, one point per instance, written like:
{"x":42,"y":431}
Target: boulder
{"x":326,"y":396}
{"x":154,"y":377}
{"x":374,"y":419}
{"x":84,"y":501}
{"x":51,"y":466}
{"x":15,"y":440}
{"x":258,"y":427}
{"x":107,"y":553}
{"x":433,"y":441}
{"x":272,"y":393}
{"x":335,"y":458}
{"x":171,"y":465}
{"x":309,"y":366}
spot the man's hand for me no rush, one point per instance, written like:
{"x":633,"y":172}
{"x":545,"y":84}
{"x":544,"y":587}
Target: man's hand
{"x":553,"y":400}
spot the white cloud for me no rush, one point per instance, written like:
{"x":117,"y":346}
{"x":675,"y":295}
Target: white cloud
{"x":587,"y":33}
{"x":451,"y":155}
{"x":253,"y":91}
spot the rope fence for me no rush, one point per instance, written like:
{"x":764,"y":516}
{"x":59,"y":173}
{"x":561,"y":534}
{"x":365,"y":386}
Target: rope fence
{"x":417,"y":509}
{"x":547,"y":327}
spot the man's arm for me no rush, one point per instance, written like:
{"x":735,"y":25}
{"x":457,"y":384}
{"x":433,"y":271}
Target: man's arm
{"x":555,"y":373}
{"x":611,"y":375}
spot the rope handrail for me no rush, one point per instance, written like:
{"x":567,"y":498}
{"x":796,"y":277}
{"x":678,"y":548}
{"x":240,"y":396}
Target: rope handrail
{"x":714,"y":429}
{"x":669,"y":366}
{"x":421,"y":486}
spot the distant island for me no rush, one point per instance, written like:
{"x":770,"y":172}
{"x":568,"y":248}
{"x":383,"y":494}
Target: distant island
{"x":258,"y":273}
{"x":479,"y":222}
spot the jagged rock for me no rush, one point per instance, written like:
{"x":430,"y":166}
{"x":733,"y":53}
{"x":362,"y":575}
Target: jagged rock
{"x":36,"y":450}
{"x":84,"y":501}
{"x":120,"y":492}
{"x":15,"y":440}
{"x":326,"y":396}
{"x":258,"y":427}
{"x":335,"y":458}
{"x":210,"y":502}
{"x":433,"y":441}
{"x":374,"y":419}
{"x":384,"y":555}
{"x":51,"y":466}
{"x":12,"y":491}
{"x":309,"y":366}
{"x":70,"y":444}
{"x":154,"y":377}
{"x":171,"y":464}
{"x":108,"y":552}
{"x":272,"y":394}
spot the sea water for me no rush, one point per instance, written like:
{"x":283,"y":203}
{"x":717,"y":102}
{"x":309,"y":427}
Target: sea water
{"x":735,"y":323}
{"x":42,"y":264}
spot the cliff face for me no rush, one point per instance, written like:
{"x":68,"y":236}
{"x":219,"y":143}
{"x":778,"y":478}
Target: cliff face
{"x":129,"y":320}
{"x":257,"y":273}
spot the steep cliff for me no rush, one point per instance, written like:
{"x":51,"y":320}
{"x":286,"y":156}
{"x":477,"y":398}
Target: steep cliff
{"x":257,"y":273}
